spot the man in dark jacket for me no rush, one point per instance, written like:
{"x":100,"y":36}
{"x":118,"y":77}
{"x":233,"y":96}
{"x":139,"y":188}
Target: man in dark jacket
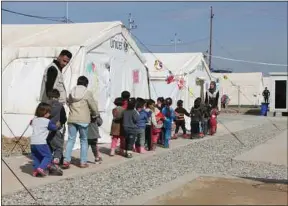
{"x":266,"y":95}
{"x":53,"y":78}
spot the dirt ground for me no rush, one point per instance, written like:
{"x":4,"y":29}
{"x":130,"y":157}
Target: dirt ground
{"x":223,"y":191}
{"x":23,"y":146}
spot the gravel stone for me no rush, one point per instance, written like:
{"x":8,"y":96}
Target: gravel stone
{"x":116,"y":184}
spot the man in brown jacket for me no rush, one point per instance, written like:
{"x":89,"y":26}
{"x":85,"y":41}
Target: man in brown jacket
{"x":81,"y":104}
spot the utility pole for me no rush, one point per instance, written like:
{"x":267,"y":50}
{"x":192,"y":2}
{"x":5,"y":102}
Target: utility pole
{"x":131,"y":23}
{"x":175,"y":42}
{"x":67,"y":18}
{"x":210,"y":45}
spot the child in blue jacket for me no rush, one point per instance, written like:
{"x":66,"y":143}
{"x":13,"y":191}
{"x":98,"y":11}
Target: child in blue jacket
{"x":141,"y":123}
{"x":169,"y":114}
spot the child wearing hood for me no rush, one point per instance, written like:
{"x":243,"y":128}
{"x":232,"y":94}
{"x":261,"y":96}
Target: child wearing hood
{"x":82,"y":106}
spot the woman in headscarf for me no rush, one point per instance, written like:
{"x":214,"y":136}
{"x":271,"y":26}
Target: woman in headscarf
{"x":212,"y":96}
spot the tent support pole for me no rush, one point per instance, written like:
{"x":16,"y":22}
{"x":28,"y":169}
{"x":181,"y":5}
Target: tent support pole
{"x":148,"y":81}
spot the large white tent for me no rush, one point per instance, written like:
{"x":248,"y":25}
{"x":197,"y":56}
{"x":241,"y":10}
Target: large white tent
{"x":191,"y":66}
{"x":242,"y":88}
{"x":103,"y":52}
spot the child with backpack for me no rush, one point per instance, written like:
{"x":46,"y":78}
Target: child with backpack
{"x":116,"y":127}
{"x":180,"y":120}
{"x":196,"y":115}
{"x":94,"y":135}
{"x":169,"y":116}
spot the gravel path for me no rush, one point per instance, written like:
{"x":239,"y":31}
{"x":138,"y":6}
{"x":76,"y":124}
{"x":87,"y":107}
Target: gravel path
{"x":113,"y":185}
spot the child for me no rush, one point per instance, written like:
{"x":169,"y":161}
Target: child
{"x":143,"y":119}
{"x":160,"y":105}
{"x":206,"y":117}
{"x":148,"y":130}
{"x":125,"y":95}
{"x":40,"y":151}
{"x":55,"y":139}
{"x":213,"y":121}
{"x":180,"y":120}
{"x":130,"y":120}
{"x":196,"y":119}
{"x":117,"y":123}
{"x":169,"y":115}
{"x":156,"y":124}
{"x":93,"y":136}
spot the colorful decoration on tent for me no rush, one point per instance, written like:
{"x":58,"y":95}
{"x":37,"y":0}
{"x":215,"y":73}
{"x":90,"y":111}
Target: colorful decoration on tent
{"x":170,"y":78}
{"x":91,"y":68}
{"x":225,"y":77}
{"x":158,"y":65}
{"x":191,"y":92}
{"x":135,"y":76}
{"x":181,"y":83}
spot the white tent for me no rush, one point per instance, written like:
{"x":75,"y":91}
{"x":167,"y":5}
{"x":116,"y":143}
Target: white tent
{"x":103,"y":52}
{"x":267,"y":83}
{"x":242,"y":88}
{"x":190,"y":66}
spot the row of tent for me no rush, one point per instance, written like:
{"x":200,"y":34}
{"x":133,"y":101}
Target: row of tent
{"x":105,"y":53}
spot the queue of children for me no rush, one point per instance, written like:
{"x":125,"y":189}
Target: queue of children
{"x":138,"y":124}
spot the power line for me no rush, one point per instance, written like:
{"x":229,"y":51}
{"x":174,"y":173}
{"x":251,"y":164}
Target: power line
{"x":181,"y":43}
{"x":57,"y":19}
{"x":251,"y":62}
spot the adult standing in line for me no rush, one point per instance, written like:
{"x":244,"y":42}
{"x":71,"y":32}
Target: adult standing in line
{"x":266,"y":95}
{"x":82,"y":107}
{"x":53,"y":77}
{"x":212,"y":96}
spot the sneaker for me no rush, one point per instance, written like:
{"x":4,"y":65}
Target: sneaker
{"x":98,"y":160}
{"x":41,"y":172}
{"x":185,"y":136}
{"x":66,"y":165}
{"x":54,"y":170}
{"x":174,"y":136}
{"x":35,"y":173}
{"x":84,"y":165}
{"x":129,"y":155}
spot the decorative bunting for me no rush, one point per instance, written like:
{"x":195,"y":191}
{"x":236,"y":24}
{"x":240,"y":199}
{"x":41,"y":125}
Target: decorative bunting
{"x":170,"y":78}
{"x":158,"y":65}
{"x":181,"y":83}
{"x":190,"y":91}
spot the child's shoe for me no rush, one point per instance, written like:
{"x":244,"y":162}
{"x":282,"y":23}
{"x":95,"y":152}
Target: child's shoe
{"x":201,"y":135}
{"x":142,"y":150}
{"x":174,"y":136}
{"x":185,"y":136}
{"x":41,"y":172}
{"x":98,"y":160}
{"x":129,"y":154}
{"x":66,"y":165}
{"x":55,"y":170}
{"x":35,"y":173}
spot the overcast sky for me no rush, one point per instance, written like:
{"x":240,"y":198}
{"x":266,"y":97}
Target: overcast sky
{"x":252,"y":31}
